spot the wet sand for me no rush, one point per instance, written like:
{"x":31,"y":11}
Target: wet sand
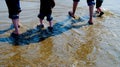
{"x":73,"y":43}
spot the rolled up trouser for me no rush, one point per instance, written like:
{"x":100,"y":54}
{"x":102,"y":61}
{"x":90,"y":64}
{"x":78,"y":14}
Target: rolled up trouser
{"x":45,"y":13}
{"x":13,"y":8}
{"x":99,"y":3}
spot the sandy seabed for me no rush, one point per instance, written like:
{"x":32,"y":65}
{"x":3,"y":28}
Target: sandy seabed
{"x":73,"y":43}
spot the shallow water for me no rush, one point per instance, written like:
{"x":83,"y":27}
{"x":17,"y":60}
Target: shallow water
{"x":73,"y":43}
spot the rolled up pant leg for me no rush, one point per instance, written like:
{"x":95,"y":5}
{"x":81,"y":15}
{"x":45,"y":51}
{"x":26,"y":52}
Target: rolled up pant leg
{"x":99,"y":3}
{"x":90,"y":2}
{"x":13,"y":8}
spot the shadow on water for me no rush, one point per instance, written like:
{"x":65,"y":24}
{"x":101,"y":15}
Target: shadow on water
{"x":37,"y":35}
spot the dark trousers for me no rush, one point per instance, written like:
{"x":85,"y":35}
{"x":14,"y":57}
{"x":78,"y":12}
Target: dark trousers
{"x":99,"y":3}
{"x":13,"y":8}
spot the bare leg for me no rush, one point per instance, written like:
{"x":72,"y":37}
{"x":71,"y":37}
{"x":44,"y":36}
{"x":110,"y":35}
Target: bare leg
{"x":91,"y":13}
{"x":72,"y":13}
{"x":50,"y":27}
{"x":99,"y":9}
{"x":41,"y":22}
{"x":74,"y":7}
{"x":19,"y":24}
{"x":50,"y":22}
{"x":15,"y":22}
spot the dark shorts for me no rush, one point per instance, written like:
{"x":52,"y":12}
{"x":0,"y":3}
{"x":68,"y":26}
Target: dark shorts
{"x":99,"y":3}
{"x":46,"y":14}
{"x":89,"y":2}
{"x":13,"y":8}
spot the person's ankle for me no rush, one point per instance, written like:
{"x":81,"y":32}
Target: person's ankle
{"x":71,"y":14}
{"x":90,"y":22}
